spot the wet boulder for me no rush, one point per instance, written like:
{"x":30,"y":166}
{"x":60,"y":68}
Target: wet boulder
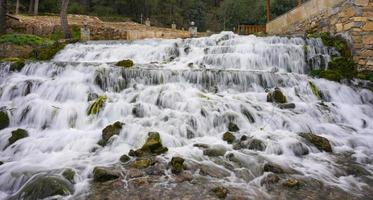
{"x":43,"y":187}
{"x":286,"y":106}
{"x":17,"y":135}
{"x":271,"y":167}
{"x":232,"y":127}
{"x":153,"y":146}
{"x":124,"y":158}
{"x":221,"y":192}
{"x":229,"y":137}
{"x":69,"y":175}
{"x":142,"y":163}
{"x":215,"y":151}
{"x":276,"y":96}
{"x":97,"y":106}
{"x":177,"y":165}
{"x":256,"y":144}
{"x":248,"y":115}
{"x":125,"y":63}
{"x":319,"y":142}
{"x":270,"y":179}
{"x":4,"y":120}
{"x":1,"y":162}
{"x":292,"y":183}
{"x":103,"y":174}
{"x":110,"y":131}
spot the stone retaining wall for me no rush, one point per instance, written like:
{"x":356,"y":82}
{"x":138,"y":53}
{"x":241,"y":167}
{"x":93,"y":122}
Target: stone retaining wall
{"x":352,"y":19}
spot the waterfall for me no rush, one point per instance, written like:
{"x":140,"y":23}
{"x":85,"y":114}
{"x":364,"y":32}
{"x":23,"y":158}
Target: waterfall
{"x":188,"y":90}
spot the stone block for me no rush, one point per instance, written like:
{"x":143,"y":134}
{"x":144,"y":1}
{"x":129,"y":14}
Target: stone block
{"x":368,"y":39}
{"x":360,"y":19}
{"x":368,"y":26}
{"x":339,"y":27}
{"x":361,"y":2}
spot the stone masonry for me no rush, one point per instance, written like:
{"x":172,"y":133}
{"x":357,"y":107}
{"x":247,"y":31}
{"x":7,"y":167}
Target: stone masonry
{"x":351,"y":19}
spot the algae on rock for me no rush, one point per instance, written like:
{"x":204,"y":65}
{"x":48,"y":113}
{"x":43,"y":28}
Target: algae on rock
{"x":152,"y":146}
{"x":4,"y":120}
{"x":96,"y":106}
{"x":17,"y":135}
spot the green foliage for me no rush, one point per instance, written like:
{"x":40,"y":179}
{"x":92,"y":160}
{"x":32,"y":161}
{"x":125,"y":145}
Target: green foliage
{"x":327,"y":74}
{"x":337,"y":42}
{"x":57,"y":35}
{"x":47,"y":52}
{"x":24,"y":39}
{"x":345,"y":66}
{"x":365,"y":75}
{"x":96,"y":106}
{"x":16,"y":64}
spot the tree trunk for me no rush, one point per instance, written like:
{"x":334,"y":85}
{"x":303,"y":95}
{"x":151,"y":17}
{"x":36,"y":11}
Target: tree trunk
{"x":268,"y":10}
{"x":3,"y":11}
{"x":36,"y":7}
{"x":17,"y":7}
{"x":31,"y":6}
{"x":64,"y":22}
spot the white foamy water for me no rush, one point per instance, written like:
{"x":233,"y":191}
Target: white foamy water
{"x":180,"y":86}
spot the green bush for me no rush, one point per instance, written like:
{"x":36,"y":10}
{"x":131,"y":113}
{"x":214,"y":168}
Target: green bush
{"x":24,"y":39}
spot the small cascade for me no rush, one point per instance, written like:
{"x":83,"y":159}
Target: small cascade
{"x":191,"y":91}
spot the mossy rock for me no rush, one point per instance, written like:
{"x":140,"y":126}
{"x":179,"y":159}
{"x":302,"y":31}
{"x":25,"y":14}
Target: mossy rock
{"x":124,"y":158}
{"x":270,"y":179}
{"x":97,"y":106}
{"x":221,"y":192}
{"x":257,"y":145}
{"x":271,"y":167}
{"x":292,"y":183}
{"x":142,"y":163}
{"x":16,"y":64}
{"x":125,"y":63}
{"x":276,"y":96}
{"x":314,"y":89}
{"x":110,"y":131}
{"x":17,"y":135}
{"x":336,"y":42}
{"x":47,"y":52}
{"x":69,"y":175}
{"x":43,"y":187}
{"x":4,"y":120}
{"x":103,"y":174}
{"x":345,"y":66}
{"x":153,"y":146}
{"x":177,"y":165}
{"x":233,"y":127}
{"x":214,"y":152}
{"x":229,"y":137}
{"x":319,"y":142}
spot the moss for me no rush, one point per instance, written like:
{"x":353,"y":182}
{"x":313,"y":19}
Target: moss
{"x":365,"y":75}
{"x":152,"y":146}
{"x":4,"y":120}
{"x":233,"y":127}
{"x":276,"y":96}
{"x":124,"y":158}
{"x":47,"y":52}
{"x":336,"y":42}
{"x":58,"y":35}
{"x":257,"y":145}
{"x":320,"y":143}
{"x":101,"y":174}
{"x":345,"y":66}
{"x":229,"y":137}
{"x":109,"y":131}
{"x":330,"y":75}
{"x":43,"y":187}
{"x":292,"y":183}
{"x":96,"y":106}
{"x":17,"y":135}
{"x":221,"y":192}
{"x":16,"y":64}
{"x":25,"y":39}
{"x":125,"y":63}
{"x":69,"y":175}
{"x":314,"y":89}
{"x":177,"y":165}
{"x":142,"y":163}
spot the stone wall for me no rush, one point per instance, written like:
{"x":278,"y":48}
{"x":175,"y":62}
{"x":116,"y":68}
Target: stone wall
{"x":352,"y":19}
{"x":100,"y":30}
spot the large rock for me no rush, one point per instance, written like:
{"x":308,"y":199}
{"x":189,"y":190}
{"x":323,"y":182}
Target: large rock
{"x":125,"y":63}
{"x":103,"y":174}
{"x":215,"y":151}
{"x":110,"y":131}
{"x":276,"y":96}
{"x":152,"y":146}
{"x":69,"y":175}
{"x":229,"y":137}
{"x":4,"y":120}
{"x":321,"y":143}
{"x":17,"y":135}
{"x":43,"y":187}
{"x":177,"y":165}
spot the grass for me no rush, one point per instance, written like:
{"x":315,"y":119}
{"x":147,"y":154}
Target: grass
{"x":25,"y":39}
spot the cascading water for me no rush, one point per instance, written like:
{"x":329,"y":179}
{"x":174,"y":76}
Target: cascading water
{"x":189,"y":91}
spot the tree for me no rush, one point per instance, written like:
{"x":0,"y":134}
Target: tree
{"x":17,"y":7}
{"x":31,"y":6}
{"x":3,"y":11}
{"x":64,"y":22}
{"x":36,"y":7}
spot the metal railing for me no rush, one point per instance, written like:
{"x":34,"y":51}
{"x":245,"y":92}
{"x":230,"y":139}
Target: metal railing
{"x":250,"y":29}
